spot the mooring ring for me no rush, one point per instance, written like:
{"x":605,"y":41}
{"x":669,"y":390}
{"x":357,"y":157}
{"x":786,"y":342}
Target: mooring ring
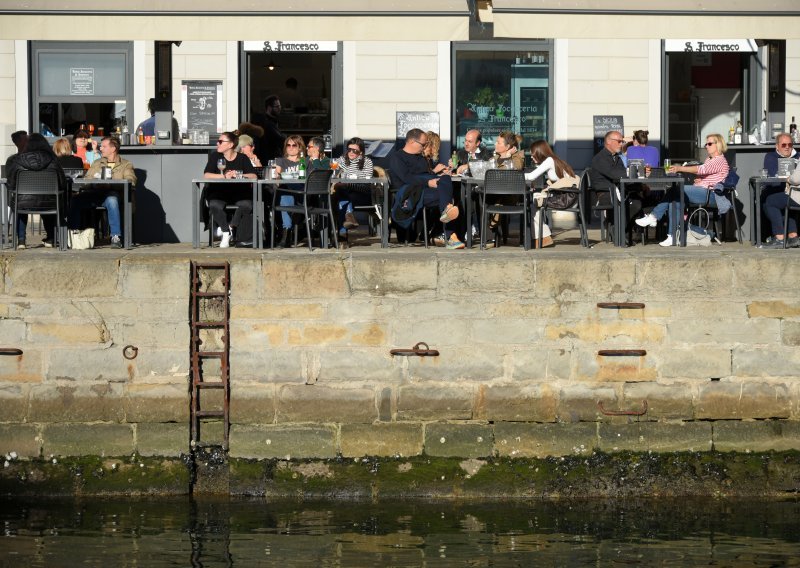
{"x":130,"y":352}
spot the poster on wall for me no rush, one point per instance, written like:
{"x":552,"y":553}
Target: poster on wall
{"x":406,"y":120}
{"x":604,"y":123}
{"x":201,"y":102}
{"x":81,"y":81}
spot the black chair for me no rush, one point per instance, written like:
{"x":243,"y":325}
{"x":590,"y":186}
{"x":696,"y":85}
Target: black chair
{"x":578,"y":207}
{"x":509,"y":184}
{"x":52,"y":200}
{"x":792,"y":204}
{"x":406,"y":232}
{"x":711,"y":206}
{"x":315,"y":198}
{"x":593,"y":205}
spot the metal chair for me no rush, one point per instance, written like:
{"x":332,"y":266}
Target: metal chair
{"x":792,"y":204}
{"x":314,"y":195}
{"x":51,"y":198}
{"x":593,"y":205}
{"x":711,"y":206}
{"x":506,"y":183}
{"x":578,"y":207}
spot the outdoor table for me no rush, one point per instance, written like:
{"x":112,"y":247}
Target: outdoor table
{"x":621,"y":207}
{"x":757,"y":184}
{"x":83,"y":184}
{"x":197,"y":191}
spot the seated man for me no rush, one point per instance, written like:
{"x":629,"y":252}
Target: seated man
{"x":773,"y":209}
{"x":472,"y":151}
{"x":108,"y":198}
{"x":783,"y":149}
{"x":408,"y":168}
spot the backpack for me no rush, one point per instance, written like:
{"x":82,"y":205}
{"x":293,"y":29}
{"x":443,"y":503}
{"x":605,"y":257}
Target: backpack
{"x":407,"y":203}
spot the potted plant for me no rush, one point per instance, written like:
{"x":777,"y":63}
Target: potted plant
{"x":483,"y":101}
{"x":501,"y":102}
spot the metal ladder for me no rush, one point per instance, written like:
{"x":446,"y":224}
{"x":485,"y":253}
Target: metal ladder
{"x":199,"y":356}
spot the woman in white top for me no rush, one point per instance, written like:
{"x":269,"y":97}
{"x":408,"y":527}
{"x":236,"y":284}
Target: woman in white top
{"x":353,"y":165}
{"x":559,"y":174}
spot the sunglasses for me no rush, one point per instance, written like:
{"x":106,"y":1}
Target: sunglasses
{"x":710,"y":144}
{"x":291,"y":145}
{"x":786,"y":145}
{"x":356,"y":151}
{"x":618,"y":140}
{"x":221,"y":141}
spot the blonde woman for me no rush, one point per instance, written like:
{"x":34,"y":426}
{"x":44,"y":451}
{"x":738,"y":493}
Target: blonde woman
{"x":63,"y":151}
{"x":293,"y":149}
{"x":431,"y":154}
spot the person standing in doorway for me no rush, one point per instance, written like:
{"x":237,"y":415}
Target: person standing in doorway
{"x":270,"y":145}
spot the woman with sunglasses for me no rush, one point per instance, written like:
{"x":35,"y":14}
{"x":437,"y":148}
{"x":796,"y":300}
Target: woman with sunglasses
{"x":223,"y":163}
{"x":85,"y":148}
{"x":293,"y":149}
{"x":353,"y":165}
{"x":713,"y":171}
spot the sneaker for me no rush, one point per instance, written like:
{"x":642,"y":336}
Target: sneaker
{"x":450,"y":214}
{"x":21,"y":245}
{"x":454,"y":243}
{"x":440,"y":241}
{"x":226,"y":240}
{"x":775,"y":244}
{"x":794,"y":242}
{"x":667,"y":242}
{"x":648,"y":220}
{"x":116,"y":242}
{"x":218,"y":232}
{"x":349,"y":221}
{"x":48,"y":243}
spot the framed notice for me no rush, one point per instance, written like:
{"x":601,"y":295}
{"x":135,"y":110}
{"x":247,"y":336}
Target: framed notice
{"x":201,"y":102}
{"x":603,"y":124}
{"x":423,"y":120}
{"x":81,"y":81}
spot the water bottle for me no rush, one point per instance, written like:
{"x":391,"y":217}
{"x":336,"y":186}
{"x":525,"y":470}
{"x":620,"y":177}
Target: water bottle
{"x":301,"y":167}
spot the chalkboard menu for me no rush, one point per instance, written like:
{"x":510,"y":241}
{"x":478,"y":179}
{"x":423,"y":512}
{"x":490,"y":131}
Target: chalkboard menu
{"x":603,"y":124}
{"x":202,"y":106}
{"x":422,"y":120}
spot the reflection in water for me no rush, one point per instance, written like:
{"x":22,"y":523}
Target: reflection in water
{"x":211,"y":533}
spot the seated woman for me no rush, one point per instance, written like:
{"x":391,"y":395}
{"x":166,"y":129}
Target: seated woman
{"x":223,"y":164}
{"x":120,"y":169}
{"x":247,"y":147}
{"x":85,"y":148}
{"x":559,"y":174}
{"x":317,"y":160}
{"x":639,"y":150}
{"x":713,"y":171}
{"x":293,"y":149}
{"x":773,"y":209}
{"x":353,"y":165}
{"x":507,"y":156}
{"x":431,"y":154}
{"x":66,"y":159}
{"x":37,"y":156}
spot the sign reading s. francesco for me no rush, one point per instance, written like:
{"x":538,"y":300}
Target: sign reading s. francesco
{"x":280,"y":46}
{"x":711,"y":45}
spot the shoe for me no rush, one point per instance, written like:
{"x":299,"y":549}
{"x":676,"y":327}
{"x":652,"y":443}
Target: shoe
{"x":668,"y":242}
{"x":218,"y":232}
{"x":648,"y":220}
{"x":285,"y":239}
{"x":226,"y":240}
{"x":794,"y":242}
{"x":439,"y":241}
{"x":775,"y":244}
{"x":21,"y":245}
{"x":244,"y":244}
{"x":544,"y":242}
{"x":349,"y":221}
{"x":454,"y":243}
{"x":116,"y":242}
{"x":48,"y":243}
{"x":450,"y":214}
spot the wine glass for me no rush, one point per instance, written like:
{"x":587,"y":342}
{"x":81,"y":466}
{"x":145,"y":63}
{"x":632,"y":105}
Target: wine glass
{"x":221,"y":166}
{"x":335,"y":168}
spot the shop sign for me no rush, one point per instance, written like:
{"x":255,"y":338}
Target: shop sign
{"x":711,"y":45}
{"x":81,"y":81}
{"x":277,"y":46}
{"x":425,"y":121}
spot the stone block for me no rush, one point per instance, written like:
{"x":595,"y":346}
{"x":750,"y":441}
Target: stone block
{"x":278,"y":312}
{"x":710,"y":361}
{"x":91,"y":364}
{"x":97,"y":310}
{"x":84,"y":402}
{"x":620,"y":332}
{"x":580,"y":403}
{"x":168,"y":309}
{"x":525,"y":440}
{"x":766,"y":362}
{"x":25,"y":368}
{"x":435,"y":331}
{"x":664,"y":401}
{"x":593,"y":278}
{"x":359,"y":309}
{"x":773,"y":309}
{"x":764,"y":272}
{"x":377,"y":275}
{"x":304,"y":276}
{"x":13,"y":332}
{"x":459,"y":440}
{"x":462,"y":362}
{"x":790,"y":333}
{"x":317,"y":403}
{"x":255,"y":335}
{"x":252,"y":403}
{"x":154,"y":333}
{"x":684,"y":275}
{"x":158,"y":277}
{"x":270,"y":365}
{"x":322,"y":334}
{"x":386,"y":440}
{"x":655,"y":437}
{"x":157,"y":402}
{"x":516,"y":403}
{"x":729,"y":399}
{"x":435,"y":402}
{"x":502,"y":307}
{"x":24,"y":439}
{"x":153,"y":364}
{"x":68,"y":276}
{"x":591,"y":366}
{"x":652,"y":311}
{"x":506,"y":331}
{"x":69,"y":333}
{"x":159,"y":439}
{"x":104,"y":440}
{"x":246,"y":281}
{"x":539,"y":364}
{"x":14,"y":402}
{"x":485,"y":274}
{"x":282,"y":442}
{"x":709,"y":330}
{"x":756,"y":435}
{"x":350,"y":364}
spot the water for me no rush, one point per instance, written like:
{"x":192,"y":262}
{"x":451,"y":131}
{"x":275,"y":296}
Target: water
{"x":254,"y":533}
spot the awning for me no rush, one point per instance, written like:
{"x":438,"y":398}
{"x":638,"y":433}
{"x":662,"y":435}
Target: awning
{"x":661,"y":19}
{"x":396,"y":20}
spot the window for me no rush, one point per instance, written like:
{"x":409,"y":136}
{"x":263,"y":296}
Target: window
{"x":503,"y":87}
{"x":81,"y":83}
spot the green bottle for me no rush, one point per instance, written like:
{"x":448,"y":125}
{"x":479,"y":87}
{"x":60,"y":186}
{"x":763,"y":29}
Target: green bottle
{"x":301,"y":167}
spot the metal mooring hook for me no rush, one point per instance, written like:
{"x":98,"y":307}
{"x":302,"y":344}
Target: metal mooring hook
{"x":130,"y":352}
{"x":10,"y":351}
{"x":421,"y":349}
{"x":623,"y":412}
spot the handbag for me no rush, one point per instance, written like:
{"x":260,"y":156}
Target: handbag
{"x":694,"y":237}
{"x":81,"y":239}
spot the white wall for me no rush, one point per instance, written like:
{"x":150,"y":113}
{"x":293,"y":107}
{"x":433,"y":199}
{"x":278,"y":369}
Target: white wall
{"x":792,"y":80}
{"x":13,"y":58}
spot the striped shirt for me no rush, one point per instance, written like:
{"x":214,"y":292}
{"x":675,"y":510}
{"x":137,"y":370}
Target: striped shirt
{"x":352,"y":171}
{"x":712,"y":172}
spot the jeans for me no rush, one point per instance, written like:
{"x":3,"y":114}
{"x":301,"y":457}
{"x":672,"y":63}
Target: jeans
{"x":694,"y":194}
{"x":89,"y":199}
{"x":350,"y":195}
{"x":441,"y":196}
{"x":286,"y":218}
{"x":773,"y":209}
{"x":49,"y":222}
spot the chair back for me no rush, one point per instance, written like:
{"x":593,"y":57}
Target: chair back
{"x":504,"y":182}
{"x":318,"y":182}
{"x":44,"y":182}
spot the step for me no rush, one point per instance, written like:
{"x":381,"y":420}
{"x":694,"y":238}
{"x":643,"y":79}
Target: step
{"x":209,"y":384}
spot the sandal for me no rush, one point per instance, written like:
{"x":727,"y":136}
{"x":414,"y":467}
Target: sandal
{"x":450,"y":214}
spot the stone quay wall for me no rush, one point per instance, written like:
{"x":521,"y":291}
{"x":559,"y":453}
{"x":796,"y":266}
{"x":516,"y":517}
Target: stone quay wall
{"x":518,"y":334}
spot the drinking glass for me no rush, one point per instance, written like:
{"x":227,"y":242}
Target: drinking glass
{"x":335,"y":168}
{"x":667,"y":165}
{"x":221,"y":166}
